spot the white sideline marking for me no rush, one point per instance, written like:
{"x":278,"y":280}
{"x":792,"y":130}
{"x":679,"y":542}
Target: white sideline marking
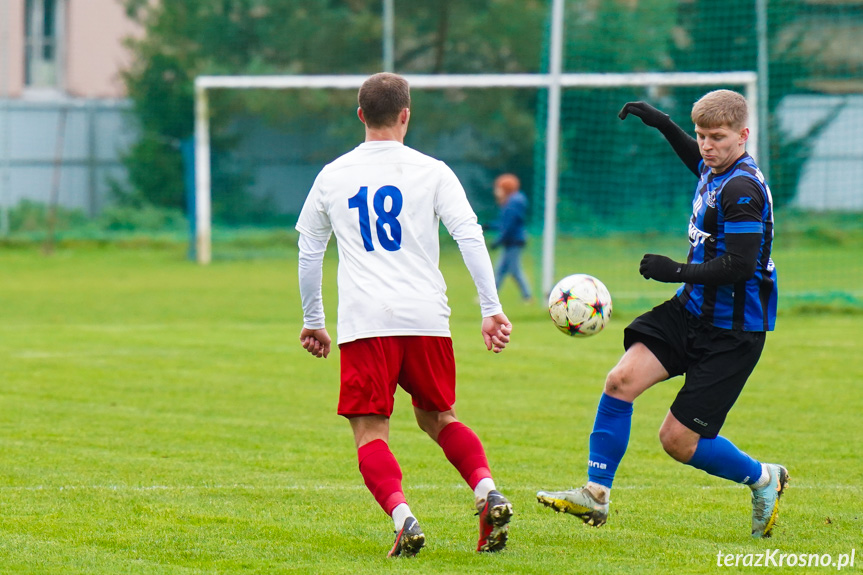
{"x":36,"y":354}
{"x":244,"y":487}
{"x":122,"y":328}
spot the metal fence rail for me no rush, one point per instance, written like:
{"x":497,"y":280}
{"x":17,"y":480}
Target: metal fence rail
{"x":82,"y":158}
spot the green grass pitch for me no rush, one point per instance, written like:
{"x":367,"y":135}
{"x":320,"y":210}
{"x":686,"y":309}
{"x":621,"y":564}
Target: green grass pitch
{"x":157,"y":417}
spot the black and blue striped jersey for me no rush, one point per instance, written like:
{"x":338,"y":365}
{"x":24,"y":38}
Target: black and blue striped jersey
{"x":736,"y":201}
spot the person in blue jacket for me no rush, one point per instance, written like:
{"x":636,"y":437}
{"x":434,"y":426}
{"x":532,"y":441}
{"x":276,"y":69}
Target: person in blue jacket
{"x":512,"y":236}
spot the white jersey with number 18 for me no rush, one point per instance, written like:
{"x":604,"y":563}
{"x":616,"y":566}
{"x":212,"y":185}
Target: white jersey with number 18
{"x":384,"y":201}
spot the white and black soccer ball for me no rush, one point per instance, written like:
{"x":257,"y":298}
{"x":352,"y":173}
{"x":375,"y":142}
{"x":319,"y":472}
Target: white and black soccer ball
{"x":579,"y":305}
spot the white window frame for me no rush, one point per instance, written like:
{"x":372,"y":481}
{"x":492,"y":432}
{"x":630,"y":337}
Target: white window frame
{"x":42,"y":75}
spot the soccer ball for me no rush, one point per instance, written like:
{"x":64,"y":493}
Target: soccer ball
{"x":579,"y":305}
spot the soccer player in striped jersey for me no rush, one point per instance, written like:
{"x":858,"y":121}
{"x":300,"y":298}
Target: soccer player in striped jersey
{"x":384,"y":202}
{"x":713,"y":330}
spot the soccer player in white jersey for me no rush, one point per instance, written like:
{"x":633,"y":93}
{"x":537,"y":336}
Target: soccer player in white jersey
{"x":384,"y":201}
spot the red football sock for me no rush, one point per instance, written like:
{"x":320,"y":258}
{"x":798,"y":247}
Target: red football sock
{"x":464,"y":450}
{"x":382,"y":474}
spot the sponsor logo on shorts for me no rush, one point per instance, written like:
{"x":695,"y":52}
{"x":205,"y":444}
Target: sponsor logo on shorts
{"x":701,"y":423}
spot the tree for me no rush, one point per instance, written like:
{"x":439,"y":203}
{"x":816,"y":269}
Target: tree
{"x":185,"y":39}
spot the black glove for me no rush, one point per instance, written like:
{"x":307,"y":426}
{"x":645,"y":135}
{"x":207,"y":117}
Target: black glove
{"x":660,"y":268}
{"x":648,"y":114}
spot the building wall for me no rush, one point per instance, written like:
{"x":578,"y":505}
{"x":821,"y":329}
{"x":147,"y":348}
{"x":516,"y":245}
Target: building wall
{"x":92,"y":50}
{"x":95,"y":51}
{"x":12,"y":48}
{"x":830,"y":179}
{"x":67,"y":140}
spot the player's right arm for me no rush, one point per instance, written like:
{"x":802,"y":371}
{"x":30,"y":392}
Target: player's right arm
{"x":458,"y":217}
{"x":495,"y":332}
{"x":684,"y":145}
{"x":742,"y":203}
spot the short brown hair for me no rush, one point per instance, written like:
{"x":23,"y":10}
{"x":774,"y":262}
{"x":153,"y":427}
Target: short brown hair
{"x":508,"y":183}
{"x":382,"y":97}
{"x":720,"y":108}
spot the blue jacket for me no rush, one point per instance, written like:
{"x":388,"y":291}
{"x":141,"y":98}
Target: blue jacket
{"x":511,"y":225}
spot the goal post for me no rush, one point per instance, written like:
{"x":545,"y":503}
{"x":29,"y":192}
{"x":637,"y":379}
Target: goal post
{"x":553,"y":82}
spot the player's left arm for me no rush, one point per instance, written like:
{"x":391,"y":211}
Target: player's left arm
{"x":313,"y":337}
{"x":742,"y":204}
{"x":315,"y":230}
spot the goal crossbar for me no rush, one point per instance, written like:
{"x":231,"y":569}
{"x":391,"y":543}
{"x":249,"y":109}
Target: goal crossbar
{"x":554,"y":82}
{"x":443,"y":81}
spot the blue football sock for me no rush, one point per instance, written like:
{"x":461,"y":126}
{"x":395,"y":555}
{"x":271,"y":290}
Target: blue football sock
{"x":609,"y":439}
{"x":723,"y":459}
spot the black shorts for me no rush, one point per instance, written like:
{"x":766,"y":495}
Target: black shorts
{"x":717,"y":362}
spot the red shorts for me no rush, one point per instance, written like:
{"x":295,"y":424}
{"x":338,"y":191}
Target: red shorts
{"x":424,"y":366}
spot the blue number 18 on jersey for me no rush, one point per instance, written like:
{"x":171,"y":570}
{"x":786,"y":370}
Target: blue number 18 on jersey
{"x":391,"y":241}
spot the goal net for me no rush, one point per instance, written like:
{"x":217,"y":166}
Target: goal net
{"x":587,"y":174}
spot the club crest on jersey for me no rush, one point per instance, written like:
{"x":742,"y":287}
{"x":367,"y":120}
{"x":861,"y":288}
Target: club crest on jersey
{"x":696,"y":236}
{"x":711,"y":198}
